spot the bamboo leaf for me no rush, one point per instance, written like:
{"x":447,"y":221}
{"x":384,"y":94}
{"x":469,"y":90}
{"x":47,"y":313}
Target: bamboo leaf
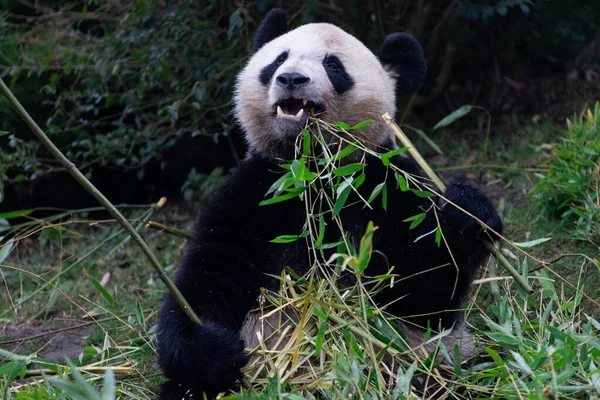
{"x":366,"y":248}
{"x":341,"y":200}
{"x":294,"y":192}
{"x":362,"y":124}
{"x":416,"y":220}
{"x":288,"y":238}
{"x":345,"y":152}
{"x":457,"y":114}
{"x":107,"y":296}
{"x":15,"y":214}
{"x":320,"y":338}
{"x":342,"y":125}
{"x":376,"y":192}
{"x":306,"y":142}
{"x":385,"y":157}
{"x":531,"y":243}
{"x":321,"y":234}
{"x":422,"y":193}
{"x":5,"y":249}
{"x":139,"y":312}
{"x":348,"y":169}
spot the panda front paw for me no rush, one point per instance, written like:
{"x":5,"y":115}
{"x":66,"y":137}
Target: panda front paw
{"x":208,"y":360}
{"x":476,"y":203}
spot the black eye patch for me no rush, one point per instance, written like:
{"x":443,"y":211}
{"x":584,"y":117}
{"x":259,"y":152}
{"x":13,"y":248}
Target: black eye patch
{"x":337,"y":74}
{"x":266,"y":74}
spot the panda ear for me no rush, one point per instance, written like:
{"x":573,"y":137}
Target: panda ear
{"x":401,"y":54}
{"x":273,"y":25}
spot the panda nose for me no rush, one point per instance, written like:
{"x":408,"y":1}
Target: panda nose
{"x":292,"y":80}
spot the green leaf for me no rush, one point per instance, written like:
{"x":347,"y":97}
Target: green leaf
{"x":321,"y":231}
{"x":12,"y":369}
{"x":422,"y":193}
{"x":288,"y":238}
{"x":3,"y":133}
{"x":5,"y":249}
{"x":108,"y":386}
{"x":384,"y":198}
{"x":402,"y":184}
{"x":366,"y":248}
{"x":342,"y":125}
{"x":139,"y":313}
{"x":438,"y":236}
{"x":359,"y":180}
{"x":385,"y":157}
{"x":345,"y":152}
{"x":376,"y":192}
{"x":302,"y":173}
{"x":107,"y":296}
{"x":305,"y":142}
{"x":326,"y":246}
{"x":293,"y":192}
{"x":15,"y":214}
{"x":282,"y":183}
{"x":416,"y":220}
{"x":320,"y":338}
{"x":449,"y":119}
{"x":341,"y":200}
{"x":360,"y":125}
{"x":348,"y":169}
{"x":531,"y":243}
{"x":81,"y":389}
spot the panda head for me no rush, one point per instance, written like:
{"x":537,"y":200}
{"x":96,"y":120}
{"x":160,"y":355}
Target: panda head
{"x":318,"y":69}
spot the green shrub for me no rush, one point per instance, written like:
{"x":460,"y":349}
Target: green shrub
{"x":571,"y":187}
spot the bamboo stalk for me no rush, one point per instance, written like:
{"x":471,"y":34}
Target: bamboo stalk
{"x":442,"y":187}
{"x":91,"y":189}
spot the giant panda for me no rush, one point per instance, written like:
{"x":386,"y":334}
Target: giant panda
{"x":314,"y":69}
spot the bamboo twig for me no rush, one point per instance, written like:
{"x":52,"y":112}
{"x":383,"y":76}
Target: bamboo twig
{"x":169,"y":229}
{"x":442,"y":187}
{"x":91,"y":189}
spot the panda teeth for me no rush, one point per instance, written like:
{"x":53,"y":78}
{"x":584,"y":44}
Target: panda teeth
{"x":304,"y":101}
{"x":280,"y":112}
{"x":299,"y":114}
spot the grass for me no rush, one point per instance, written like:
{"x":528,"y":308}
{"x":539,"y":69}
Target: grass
{"x":545,"y":345}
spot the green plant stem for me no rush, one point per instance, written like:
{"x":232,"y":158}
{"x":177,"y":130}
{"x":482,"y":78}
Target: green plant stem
{"x":442,"y":187}
{"x":90,"y":188}
{"x":169,"y":229}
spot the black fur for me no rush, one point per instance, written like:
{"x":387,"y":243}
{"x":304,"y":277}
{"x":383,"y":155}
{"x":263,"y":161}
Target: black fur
{"x":402,"y":53}
{"x":266,"y":74}
{"x":337,"y":74}
{"x":231,"y":254}
{"x":273,"y":25}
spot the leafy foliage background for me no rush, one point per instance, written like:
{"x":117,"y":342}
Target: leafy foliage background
{"x":141,"y":90}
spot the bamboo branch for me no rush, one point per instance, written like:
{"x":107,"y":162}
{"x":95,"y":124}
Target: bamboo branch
{"x":440,"y":185}
{"x":91,"y":189}
{"x":169,"y":229}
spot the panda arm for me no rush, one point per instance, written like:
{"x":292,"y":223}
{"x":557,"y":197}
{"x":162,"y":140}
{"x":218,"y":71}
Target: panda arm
{"x":437,"y":278}
{"x":220,"y":277}
{"x":463,"y":229}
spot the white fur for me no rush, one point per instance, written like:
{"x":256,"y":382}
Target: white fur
{"x":372,"y":95}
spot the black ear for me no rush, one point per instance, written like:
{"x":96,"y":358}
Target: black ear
{"x":272,"y":26}
{"x":401,"y":53}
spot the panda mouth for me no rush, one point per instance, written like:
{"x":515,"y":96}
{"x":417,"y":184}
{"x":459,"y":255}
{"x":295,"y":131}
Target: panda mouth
{"x":297,"y":109}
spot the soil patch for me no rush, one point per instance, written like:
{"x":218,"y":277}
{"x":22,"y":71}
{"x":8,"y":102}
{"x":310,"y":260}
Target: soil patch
{"x":53,"y":340}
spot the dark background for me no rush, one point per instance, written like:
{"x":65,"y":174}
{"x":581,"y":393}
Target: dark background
{"x":138,"y":93}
